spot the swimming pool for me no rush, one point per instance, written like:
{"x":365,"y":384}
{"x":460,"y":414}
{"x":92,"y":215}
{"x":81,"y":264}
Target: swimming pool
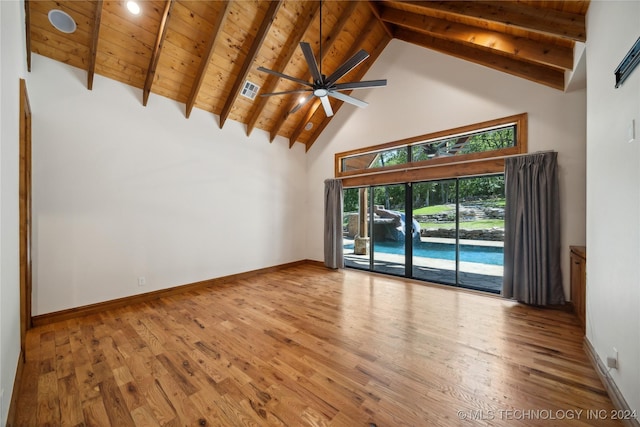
{"x":468,"y":253}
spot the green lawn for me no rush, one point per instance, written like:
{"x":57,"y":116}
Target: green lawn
{"x":432,"y":210}
{"x":436,"y":209}
{"x":468,"y":225}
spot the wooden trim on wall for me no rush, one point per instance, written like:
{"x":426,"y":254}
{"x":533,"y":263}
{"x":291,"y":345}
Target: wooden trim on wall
{"x":315,"y":263}
{"x":446,"y":161}
{"x":521,"y":147}
{"x":24,"y":177}
{"x":480,"y":167}
{"x":58,"y":316}
{"x":27,"y":32}
{"x":612,"y":389}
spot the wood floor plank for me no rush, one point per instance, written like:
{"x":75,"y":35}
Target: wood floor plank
{"x":158,"y":401}
{"x":186,"y":412}
{"x":306,"y":346}
{"x":27,"y":413}
{"x":205,"y":401}
{"x":70,"y":404}
{"x":143,"y":417}
{"x":95,"y":413}
{"x":48,"y":401}
{"x":132,"y":396}
{"x":114,"y":403}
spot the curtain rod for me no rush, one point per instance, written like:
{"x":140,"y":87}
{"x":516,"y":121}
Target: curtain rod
{"x":466,"y":161}
{"x":529,"y":154}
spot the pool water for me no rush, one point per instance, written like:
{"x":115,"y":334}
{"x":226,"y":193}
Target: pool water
{"x":468,"y":253}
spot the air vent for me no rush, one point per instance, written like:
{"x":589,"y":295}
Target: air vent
{"x":250,"y":90}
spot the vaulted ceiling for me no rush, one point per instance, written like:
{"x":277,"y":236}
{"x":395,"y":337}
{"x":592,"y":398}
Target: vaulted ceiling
{"x":201,"y":53}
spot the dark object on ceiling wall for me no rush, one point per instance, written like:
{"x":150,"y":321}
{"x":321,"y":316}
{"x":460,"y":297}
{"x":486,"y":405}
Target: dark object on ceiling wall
{"x":629,"y":62}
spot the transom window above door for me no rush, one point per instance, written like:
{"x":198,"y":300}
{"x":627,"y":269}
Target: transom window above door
{"x":496,"y":138}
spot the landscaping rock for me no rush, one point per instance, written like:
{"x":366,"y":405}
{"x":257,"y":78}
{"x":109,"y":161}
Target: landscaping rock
{"x":493,"y":234}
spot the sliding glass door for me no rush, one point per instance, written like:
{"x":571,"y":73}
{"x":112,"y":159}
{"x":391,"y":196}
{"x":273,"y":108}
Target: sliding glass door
{"x":374,"y":229}
{"x":481,"y":232}
{"x":434,"y":253}
{"x":454,"y":234}
{"x":388,"y":229}
{"x":355,"y":221}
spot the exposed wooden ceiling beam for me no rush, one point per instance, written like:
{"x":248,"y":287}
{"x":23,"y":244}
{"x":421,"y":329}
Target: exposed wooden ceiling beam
{"x":300,"y":128}
{"x":359,"y":73}
{"x":93,"y":51}
{"x":376,"y":13}
{"x":326,"y":47}
{"x":204,"y":61}
{"x":549,"y":76}
{"x":529,"y":39}
{"x":155,"y":54}
{"x":556,"y":23}
{"x":500,"y":43}
{"x":27,"y":24}
{"x":283,"y":60}
{"x":272,"y":11}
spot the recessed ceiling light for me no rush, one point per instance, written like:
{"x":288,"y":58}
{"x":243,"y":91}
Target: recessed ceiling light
{"x":62,"y":21}
{"x":133,"y":7}
{"x":308,"y":126}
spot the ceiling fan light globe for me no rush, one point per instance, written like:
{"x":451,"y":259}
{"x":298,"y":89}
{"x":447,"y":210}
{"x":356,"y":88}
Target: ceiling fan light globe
{"x":320,"y":92}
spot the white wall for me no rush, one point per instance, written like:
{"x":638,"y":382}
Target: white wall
{"x":12,"y":68}
{"x":613,"y":193}
{"x":429,"y":92}
{"x":122,"y":191}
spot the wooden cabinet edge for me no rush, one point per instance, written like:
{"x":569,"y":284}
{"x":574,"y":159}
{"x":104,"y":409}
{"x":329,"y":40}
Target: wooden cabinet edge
{"x":578,"y":256}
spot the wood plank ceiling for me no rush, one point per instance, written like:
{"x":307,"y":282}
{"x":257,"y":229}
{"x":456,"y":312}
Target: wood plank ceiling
{"x":200,"y":53}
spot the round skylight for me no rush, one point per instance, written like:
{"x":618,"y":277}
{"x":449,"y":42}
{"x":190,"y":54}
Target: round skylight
{"x":62,"y":21}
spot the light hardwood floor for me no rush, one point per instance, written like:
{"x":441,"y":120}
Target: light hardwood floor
{"x":307,"y":346}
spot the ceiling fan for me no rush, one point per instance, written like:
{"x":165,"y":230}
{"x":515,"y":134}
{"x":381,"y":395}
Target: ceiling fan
{"x":322,"y":86}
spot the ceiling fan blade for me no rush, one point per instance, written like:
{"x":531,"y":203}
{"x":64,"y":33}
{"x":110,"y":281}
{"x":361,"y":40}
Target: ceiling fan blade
{"x":284,"y":76}
{"x":326,"y":105}
{"x":286,"y":92}
{"x":349,"y":99}
{"x":359,"y":85}
{"x":301,"y":103}
{"x":349,"y":65}
{"x":311,"y":61}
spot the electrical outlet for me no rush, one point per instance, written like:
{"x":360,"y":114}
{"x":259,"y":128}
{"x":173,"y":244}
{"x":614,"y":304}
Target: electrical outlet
{"x":612,"y":361}
{"x":142,"y":280}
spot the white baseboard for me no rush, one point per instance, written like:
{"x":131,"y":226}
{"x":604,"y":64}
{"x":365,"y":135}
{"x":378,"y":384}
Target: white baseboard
{"x":612,"y":389}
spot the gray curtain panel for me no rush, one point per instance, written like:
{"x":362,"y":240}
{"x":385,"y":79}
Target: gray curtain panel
{"x":532,"y":270}
{"x":333,"y":253}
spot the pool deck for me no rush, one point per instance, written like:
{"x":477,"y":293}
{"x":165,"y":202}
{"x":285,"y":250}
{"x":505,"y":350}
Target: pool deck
{"x":448,"y":241}
{"x":472,"y":275}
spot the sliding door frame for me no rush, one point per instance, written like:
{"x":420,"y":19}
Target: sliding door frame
{"x":409,"y":230}
{"x":359,"y":169}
